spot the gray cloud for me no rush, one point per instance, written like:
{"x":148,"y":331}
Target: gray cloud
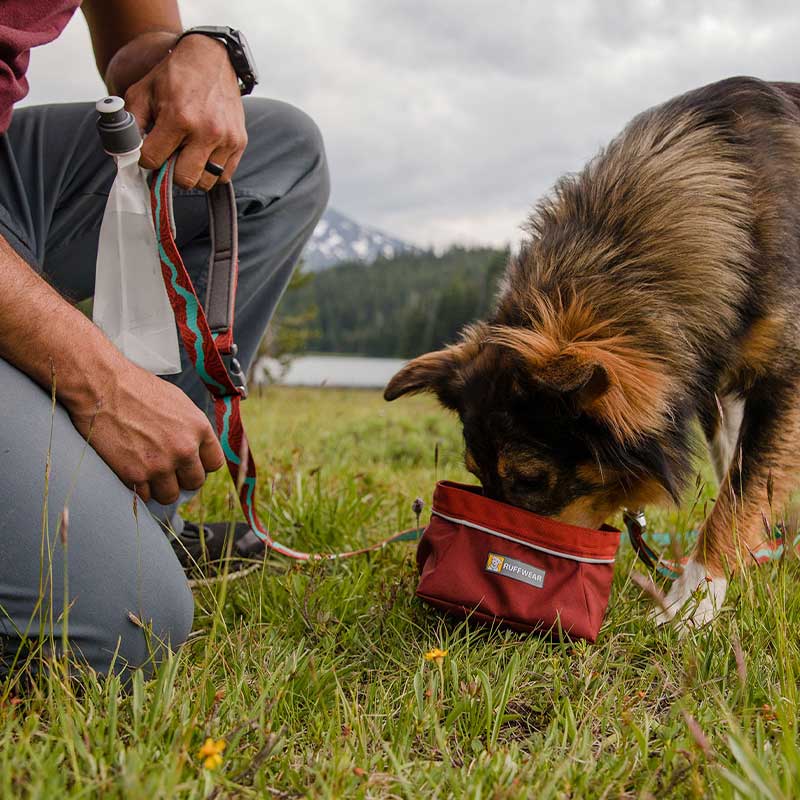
{"x":446,"y":119}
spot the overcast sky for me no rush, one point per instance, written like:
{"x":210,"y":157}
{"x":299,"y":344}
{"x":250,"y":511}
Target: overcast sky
{"x":445,"y":120}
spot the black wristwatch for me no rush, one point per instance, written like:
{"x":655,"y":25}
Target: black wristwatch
{"x":238,"y":51}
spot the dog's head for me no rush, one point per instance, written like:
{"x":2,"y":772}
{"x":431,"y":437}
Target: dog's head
{"x":561,"y":416}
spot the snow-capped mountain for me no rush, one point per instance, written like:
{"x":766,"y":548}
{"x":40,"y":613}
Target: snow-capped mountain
{"x":338,"y":238}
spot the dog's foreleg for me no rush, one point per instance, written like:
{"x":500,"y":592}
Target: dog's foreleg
{"x":695,"y":584}
{"x":758,"y":479}
{"x":732,"y":526}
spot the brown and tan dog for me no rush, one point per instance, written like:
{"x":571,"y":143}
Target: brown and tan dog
{"x":658,"y":286}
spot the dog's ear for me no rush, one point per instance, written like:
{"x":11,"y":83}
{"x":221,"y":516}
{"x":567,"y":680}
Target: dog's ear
{"x":606,"y":377}
{"x":440,"y":372}
{"x":435,"y":372}
{"x":582,"y":382}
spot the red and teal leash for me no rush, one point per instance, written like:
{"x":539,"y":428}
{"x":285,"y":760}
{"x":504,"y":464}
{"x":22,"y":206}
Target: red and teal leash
{"x":769,"y":550}
{"x":213,"y":352}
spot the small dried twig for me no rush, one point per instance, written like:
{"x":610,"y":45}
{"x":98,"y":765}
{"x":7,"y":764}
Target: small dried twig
{"x":135,"y":620}
{"x":64,"y":527}
{"x":646,"y":584}
{"x":248,"y":773}
{"x":679,"y":776}
{"x":741,"y":666}
{"x":212,"y":712}
{"x":767,"y":526}
{"x":697,"y":733}
{"x":261,"y":756}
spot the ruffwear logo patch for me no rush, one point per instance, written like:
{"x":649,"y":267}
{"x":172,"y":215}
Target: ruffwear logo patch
{"x":518,"y":570}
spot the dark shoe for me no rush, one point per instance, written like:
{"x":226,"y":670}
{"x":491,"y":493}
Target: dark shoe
{"x":204,"y":554}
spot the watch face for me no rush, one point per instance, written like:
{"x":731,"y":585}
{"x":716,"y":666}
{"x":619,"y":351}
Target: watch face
{"x":248,"y":54}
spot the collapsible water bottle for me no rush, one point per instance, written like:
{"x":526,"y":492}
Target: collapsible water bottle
{"x":130,"y":301}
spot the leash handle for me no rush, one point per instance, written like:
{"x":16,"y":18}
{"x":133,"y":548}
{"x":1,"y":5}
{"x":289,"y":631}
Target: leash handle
{"x":212,"y":350}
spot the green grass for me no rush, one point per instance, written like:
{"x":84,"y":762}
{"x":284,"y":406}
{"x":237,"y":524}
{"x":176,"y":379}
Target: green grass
{"x":316,"y":678}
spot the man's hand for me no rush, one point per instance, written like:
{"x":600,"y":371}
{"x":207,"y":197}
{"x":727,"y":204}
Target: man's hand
{"x":191,"y":99}
{"x":185,"y":94}
{"x":149,"y":432}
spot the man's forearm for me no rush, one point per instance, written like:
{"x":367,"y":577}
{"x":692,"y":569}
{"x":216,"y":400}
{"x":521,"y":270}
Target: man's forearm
{"x":130,"y":37}
{"x":44,"y":336}
{"x":115,"y":23}
{"x":148,"y":431}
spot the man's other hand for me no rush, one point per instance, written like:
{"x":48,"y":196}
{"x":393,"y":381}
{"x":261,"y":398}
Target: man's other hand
{"x":149,"y":432}
{"x":190,"y":100}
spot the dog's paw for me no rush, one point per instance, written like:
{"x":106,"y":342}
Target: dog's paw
{"x":703,"y":594}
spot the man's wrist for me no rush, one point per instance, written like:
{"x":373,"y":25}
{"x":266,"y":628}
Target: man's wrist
{"x":237,"y":49}
{"x":84,"y":382}
{"x":206,"y":50}
{"x":203,"y":47}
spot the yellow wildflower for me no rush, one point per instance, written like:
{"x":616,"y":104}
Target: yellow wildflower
{"x":211,"y":752}
{"x":436,"y":655}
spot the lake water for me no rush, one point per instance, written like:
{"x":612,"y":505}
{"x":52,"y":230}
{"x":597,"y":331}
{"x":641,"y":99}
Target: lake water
{"x":337,"y":371}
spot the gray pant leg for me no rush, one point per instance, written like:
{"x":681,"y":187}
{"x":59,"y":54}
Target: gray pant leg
{"x":116,"y":565}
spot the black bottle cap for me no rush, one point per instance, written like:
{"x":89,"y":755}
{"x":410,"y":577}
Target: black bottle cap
{"x":118,"y":130}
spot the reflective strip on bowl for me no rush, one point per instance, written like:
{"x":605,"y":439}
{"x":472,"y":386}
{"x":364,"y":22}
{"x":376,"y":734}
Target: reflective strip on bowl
{"x":477,"y":527}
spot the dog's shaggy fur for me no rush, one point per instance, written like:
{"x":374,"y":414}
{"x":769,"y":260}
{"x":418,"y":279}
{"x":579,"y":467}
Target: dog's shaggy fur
{"x":658,"y":286}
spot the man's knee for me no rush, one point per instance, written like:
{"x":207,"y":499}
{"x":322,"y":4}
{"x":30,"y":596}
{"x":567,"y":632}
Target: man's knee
{"x":111,"y":633}
{"x":284,"y":123}
{"x":142,"y":640}
{"x":121,"y":572}
{"x":284,"y":139}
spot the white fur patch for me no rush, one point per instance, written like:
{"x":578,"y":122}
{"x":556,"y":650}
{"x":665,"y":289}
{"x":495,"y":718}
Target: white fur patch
{"x":703,"y":593}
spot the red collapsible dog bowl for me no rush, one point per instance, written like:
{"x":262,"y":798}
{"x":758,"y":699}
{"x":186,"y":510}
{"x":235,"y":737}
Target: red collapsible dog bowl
{"x":493,"y":562}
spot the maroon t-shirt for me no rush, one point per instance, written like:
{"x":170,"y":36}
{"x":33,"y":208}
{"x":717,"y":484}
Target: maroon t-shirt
{"x":25,"y":24}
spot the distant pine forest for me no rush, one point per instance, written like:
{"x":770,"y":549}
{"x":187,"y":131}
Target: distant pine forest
{"x":398,"y":307}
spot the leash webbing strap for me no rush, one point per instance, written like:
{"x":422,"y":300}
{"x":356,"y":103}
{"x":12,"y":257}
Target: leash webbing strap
{"x":635,"y":523}
{"x":207,"y":336}
{"x":223,"y":259}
